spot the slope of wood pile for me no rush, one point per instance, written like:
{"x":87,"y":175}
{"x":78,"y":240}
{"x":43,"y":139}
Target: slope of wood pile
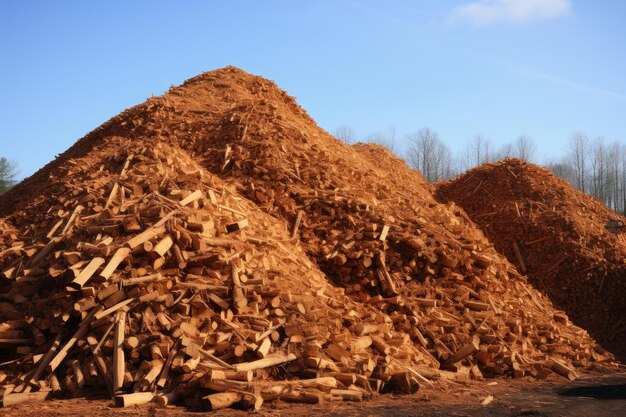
{"x":571,"y":246}
{"x":214,"y":246}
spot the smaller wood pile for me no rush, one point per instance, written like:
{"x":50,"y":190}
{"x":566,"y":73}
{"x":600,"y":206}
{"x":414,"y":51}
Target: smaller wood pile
{"x":571,"y":245}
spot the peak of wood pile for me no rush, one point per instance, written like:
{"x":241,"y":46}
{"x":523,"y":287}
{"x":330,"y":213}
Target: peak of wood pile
{"x":215,"y":247}
{"x":571,"y":246}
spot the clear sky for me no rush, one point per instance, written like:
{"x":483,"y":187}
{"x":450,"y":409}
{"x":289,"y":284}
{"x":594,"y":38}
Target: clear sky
{"x":501,"y":68}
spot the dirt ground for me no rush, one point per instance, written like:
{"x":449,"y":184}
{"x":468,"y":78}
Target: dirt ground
{"x":589,"y":396}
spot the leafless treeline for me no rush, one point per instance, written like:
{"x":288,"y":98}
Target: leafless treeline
{"x":593,"y":166}
{"x":427,"y":153}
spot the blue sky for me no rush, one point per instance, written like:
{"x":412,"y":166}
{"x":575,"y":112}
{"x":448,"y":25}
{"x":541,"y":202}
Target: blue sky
{"x":500,"y":68}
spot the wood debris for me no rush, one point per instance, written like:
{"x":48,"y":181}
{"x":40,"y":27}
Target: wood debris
{"x":566,"y":241}
{"x":199,"y":269}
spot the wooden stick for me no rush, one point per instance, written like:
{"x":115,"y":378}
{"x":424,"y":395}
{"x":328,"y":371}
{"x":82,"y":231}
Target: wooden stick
{"x":118,"y":352}
{"x":296,"y":224}
{"x":222,"y":400}
{"x":563,"y":370}
{"x":217,"y":360}
{"x":20,"y":341}
{"x":46,"y":360}
{"x":54,"y":383}
{"x":45,"y":250}
{"x":136,"y":398}
{"x":384,"y":274}
{"x":162,"y":381}
{"x":180,"y":259}
{"x":260,"y":337}
{"x":116,"y":260}
{"x":276,"y":359}
{"x":141,"y":280}
{"x":533,"y":242}
{"x":469,"y":349}
{"x":80,"y":333}
{"x":166,"y":218}
{"x":347,"y":394}
{"x":239,"y":300}
{"x":79,"y":377}
{"x":70,"y":221}
{"x":264,"y":348}
{"x":191,"y":198}
{"x":113,"y":309}
{"x":232,"y":210}
{"x":100,"y":363}
{"x":420,"y":376}
{"x":164,"y":399}
{"x":155,"y":369}
{"x":163,"y":246}
{"x":477,"y":306}
{"x":111,"y":196}
{"x":18,"y":398}
{"x":54,"y":228}
{"x":520,"y":259}
{"x":145,"y":235}
{"x":87,"y":273}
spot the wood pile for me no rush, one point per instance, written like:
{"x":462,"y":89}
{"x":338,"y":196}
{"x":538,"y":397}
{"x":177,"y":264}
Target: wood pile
{"x":214,"y":247}
{"x":572,"y":247}
{"x":161,"y":277}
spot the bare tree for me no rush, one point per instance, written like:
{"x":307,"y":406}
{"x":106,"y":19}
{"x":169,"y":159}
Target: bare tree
{"x":345,"y":134}
{"x":505,"y":151}
{"x":477,"y":152}
{"x":597,"y":168}
{"x":525,"y":148}
{"x":613,"y":175}
{"x":598,"y":162}
{"x":578,"y":147}
{"x":445,"y":163}
{"x":623,"y":179}
{"x":386,"y":138}
{"x":8,"y":171}
{"x":563,"y":169}
{"x":429,"y":155}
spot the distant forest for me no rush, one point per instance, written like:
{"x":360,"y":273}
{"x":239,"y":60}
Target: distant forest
{"x":594,"y":166}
